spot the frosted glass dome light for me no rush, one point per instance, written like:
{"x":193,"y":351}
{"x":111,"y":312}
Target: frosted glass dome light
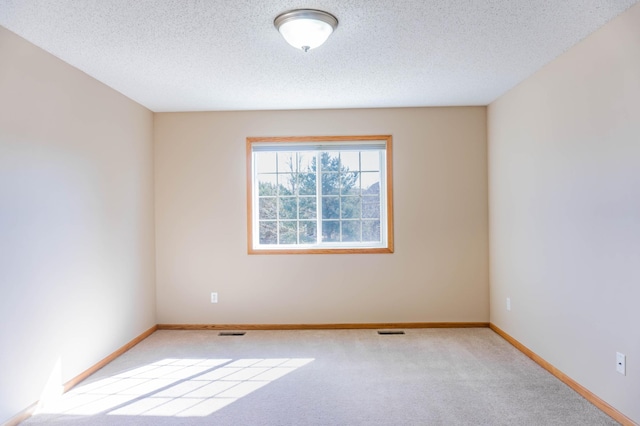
{"x":305,"y":28}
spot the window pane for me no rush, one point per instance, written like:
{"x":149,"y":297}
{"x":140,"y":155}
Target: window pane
{"x":286,"y":183}
{"x":307,"y":184}
{"x":370,"y":230}
{"x":330,"y":183}
{"x":370,"y":183}
{"x":330,"y":161}
{"x":350,"y":183}
{"x":350,"y":207}
{"x":350,"y":161}
{"x":268,"y":233}
{"x":286,"y":162}
{"x":267,"y":184}
{"x":288,"y":231}
{"x":307,"y":208}
{"x":371,"y":207}
{"x":330,"y":231}
{"x":370,"y":161}
{"x":288,"y":208}
{"x":306,"y":162}
{"x":265,"y":162}
{"x":267,"y":208}
{"x":351,"y":230}
{"x":330,"y":207}
{"x":308,"y":232}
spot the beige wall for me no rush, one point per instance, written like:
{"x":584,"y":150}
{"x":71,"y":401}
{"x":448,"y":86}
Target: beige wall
{"x":439,"y":271}
{"x":76,"y":222}
{"x":564,"y":167}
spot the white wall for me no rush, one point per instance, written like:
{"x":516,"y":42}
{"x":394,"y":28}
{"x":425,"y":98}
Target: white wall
{"x":439,"y":271}
{"x":564,"y":185}
{"x":76,"y":222}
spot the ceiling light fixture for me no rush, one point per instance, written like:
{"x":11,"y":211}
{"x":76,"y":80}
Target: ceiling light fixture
{"x":305,"y":28}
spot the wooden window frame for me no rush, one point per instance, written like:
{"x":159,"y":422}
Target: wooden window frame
{"x":324,"y":139}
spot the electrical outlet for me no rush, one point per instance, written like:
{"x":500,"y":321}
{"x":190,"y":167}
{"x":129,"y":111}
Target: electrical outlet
{"x":214,"y":297}
{"x":621,"y":363}
{"x":508,"y":303}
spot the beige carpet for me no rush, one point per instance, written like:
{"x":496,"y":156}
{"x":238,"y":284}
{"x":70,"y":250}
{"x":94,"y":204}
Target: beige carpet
{"x":342,"y":377}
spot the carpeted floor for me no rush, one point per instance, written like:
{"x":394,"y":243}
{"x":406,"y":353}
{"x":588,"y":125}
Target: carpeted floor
{"x":326,"y":377}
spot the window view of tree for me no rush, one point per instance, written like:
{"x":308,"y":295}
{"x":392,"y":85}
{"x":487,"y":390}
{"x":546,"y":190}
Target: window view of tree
{"x":336,"y":190}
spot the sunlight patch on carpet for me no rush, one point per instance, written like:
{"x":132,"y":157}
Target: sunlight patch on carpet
{"x":175,"y":387}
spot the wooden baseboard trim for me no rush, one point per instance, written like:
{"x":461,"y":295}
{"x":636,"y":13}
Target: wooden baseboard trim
{"x":80,"y":377}
{"x":346,"y":326}
{"x":587,"y":394}
{"x":21,"y":416}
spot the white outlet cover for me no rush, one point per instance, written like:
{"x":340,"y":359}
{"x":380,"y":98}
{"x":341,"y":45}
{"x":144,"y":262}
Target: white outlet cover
{"x":508,"y":303}
{"x":214,"y":297}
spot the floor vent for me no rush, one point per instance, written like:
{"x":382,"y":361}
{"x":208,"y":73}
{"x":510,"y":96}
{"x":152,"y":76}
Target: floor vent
{"x":386,"y":332}
{"x":232,"y":333}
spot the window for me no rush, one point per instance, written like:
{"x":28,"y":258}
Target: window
{"x":319,"y":194}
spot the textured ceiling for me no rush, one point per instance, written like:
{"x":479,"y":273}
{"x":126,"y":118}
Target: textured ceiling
{"x":194,"y":55}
